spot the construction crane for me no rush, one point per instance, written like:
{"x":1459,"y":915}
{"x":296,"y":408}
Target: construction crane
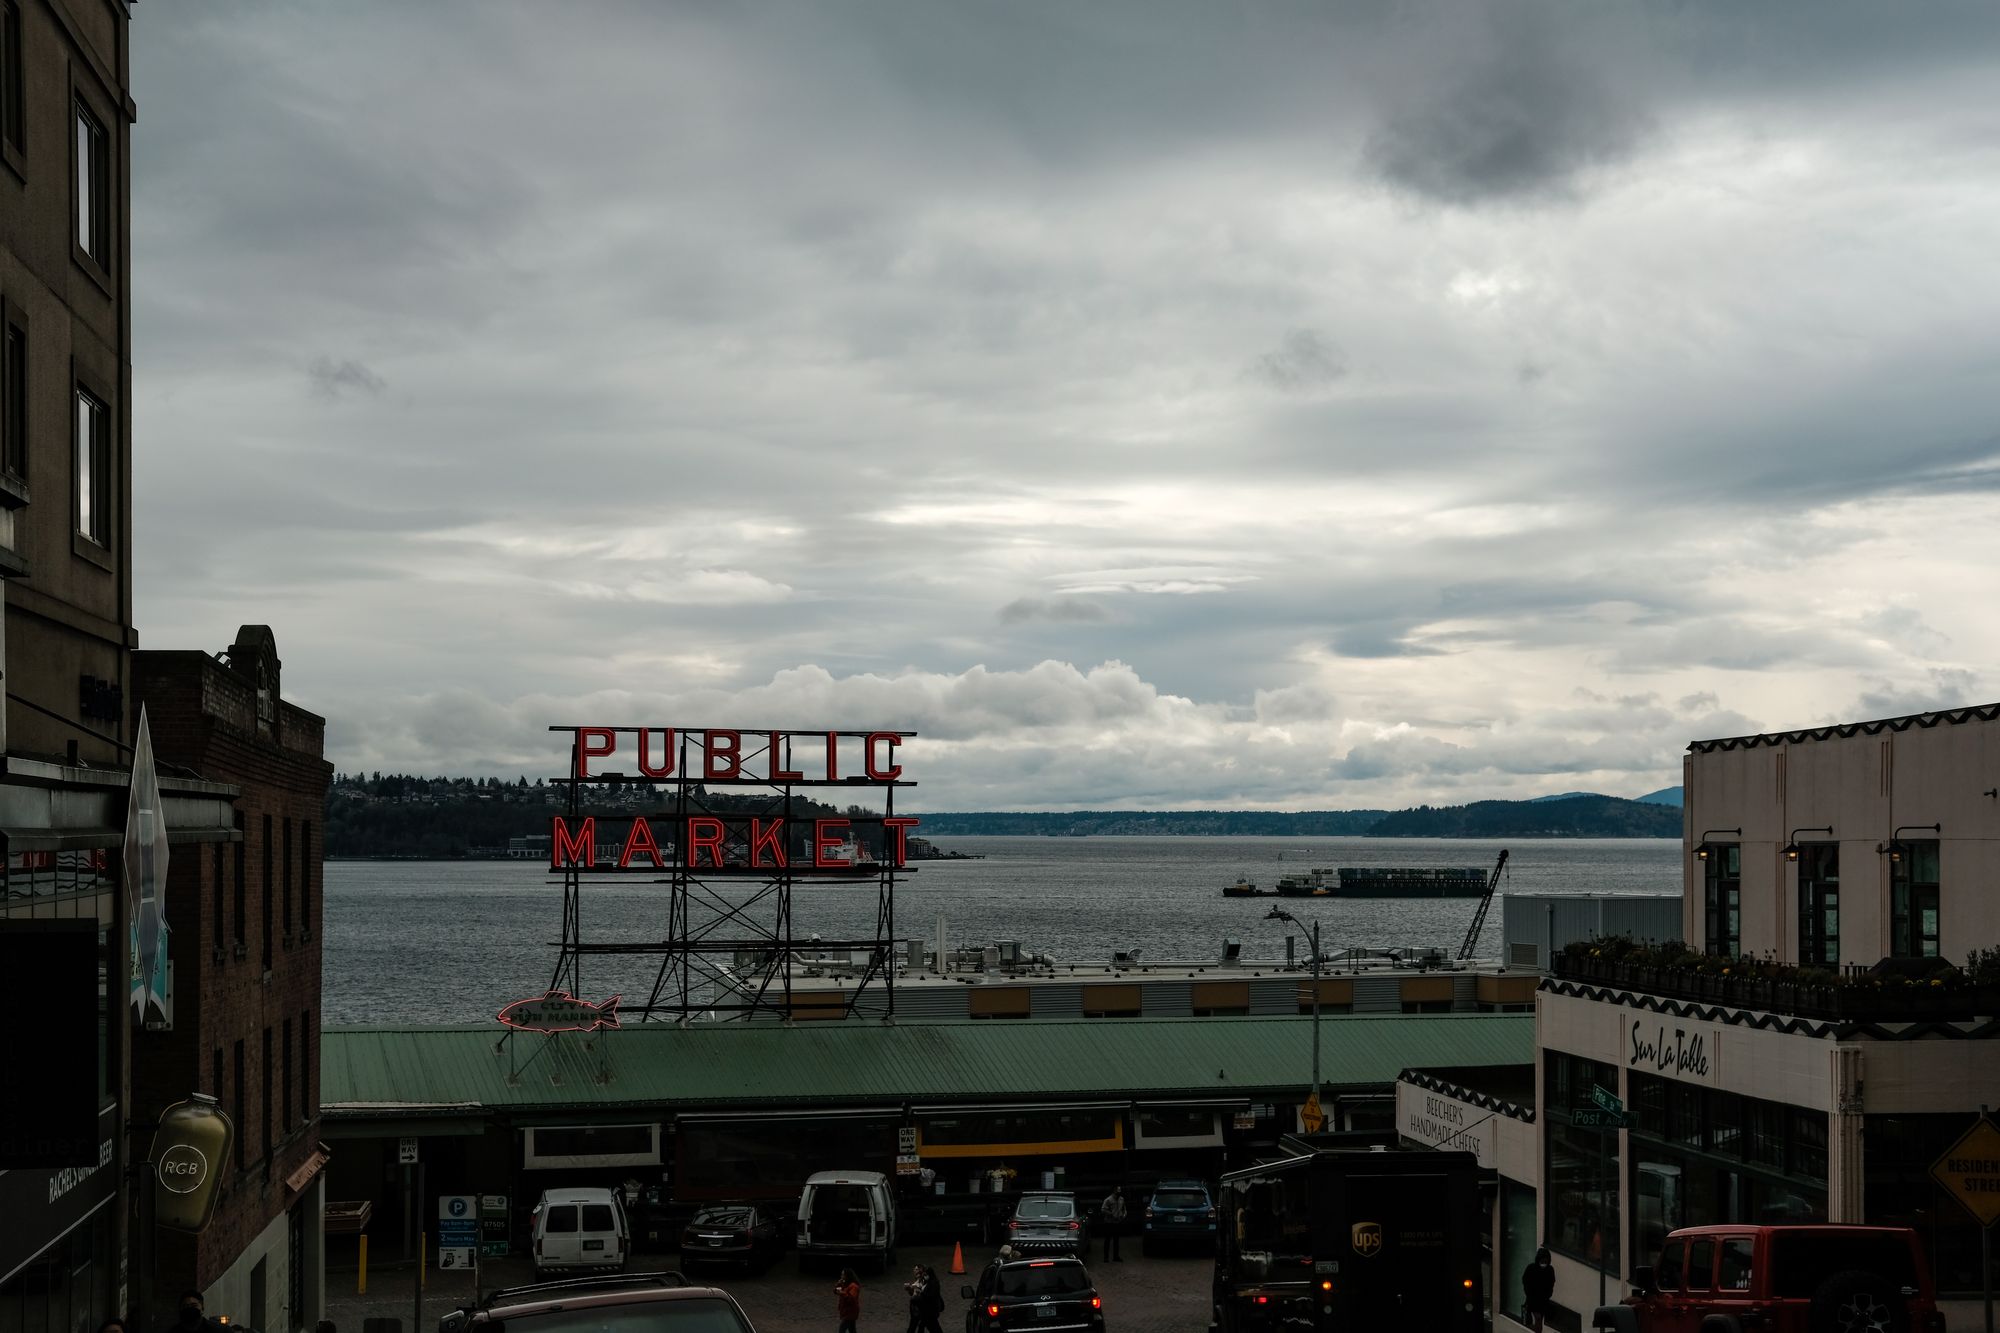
{"x":1485,"y":904}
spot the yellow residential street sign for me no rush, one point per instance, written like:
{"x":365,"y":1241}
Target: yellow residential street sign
{"x":1311,"y":1116}
{"x":1970,"y":1171}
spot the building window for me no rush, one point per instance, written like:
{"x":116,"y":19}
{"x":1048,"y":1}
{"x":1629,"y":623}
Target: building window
{"x":1582,"y":1186}
{"x":305,"y":1064}
{"x":1913,"y":901}
{"x":13,"y":99}
{"x":242,"y":1104}
{"x":93,"y":468}
{"x":306,"y":876}
{"x":285,"y":1098}
{"x":1819,"y":904}
{"x":241,"y":855}
{"x":1722,"y":899}
{"x":287,"y":863}
{"x":93,"y":188}
{"x":266,"y":886}
{"x":265,"y":1109}
{"x":216,"y":930}
{"x":14,"y":399}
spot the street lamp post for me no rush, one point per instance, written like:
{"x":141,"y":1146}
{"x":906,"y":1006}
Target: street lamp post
{"x":1280,"y":914}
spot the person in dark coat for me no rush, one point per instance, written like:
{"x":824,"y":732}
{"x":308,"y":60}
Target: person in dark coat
{"x":1538,"y":1287}
{"x":192,"y":1317}
{"x":927,"y":1302}
{"x":1111,"y":1220}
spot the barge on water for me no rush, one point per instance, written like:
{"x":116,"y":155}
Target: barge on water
{"x":1372,"y":882}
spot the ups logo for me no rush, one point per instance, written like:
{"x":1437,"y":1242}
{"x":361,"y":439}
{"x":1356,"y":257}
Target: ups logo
{"x":1367,"y":1239}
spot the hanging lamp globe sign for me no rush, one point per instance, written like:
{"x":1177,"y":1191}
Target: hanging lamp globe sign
{"x":188,"y":1154}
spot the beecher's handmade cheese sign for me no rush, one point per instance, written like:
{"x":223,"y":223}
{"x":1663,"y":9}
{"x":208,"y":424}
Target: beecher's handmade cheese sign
{"x":772,"y":759}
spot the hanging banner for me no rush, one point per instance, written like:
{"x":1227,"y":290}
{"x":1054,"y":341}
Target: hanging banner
{"x":145,"y":888}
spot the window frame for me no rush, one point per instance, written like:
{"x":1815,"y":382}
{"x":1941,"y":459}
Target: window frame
{"x":1818,"y":881}
{"x":14,"y":396}
{"x":1722,"y":899}
{"x":13,"y":93}
{"x":95,"y":526}
{"x":95,"y":259}
{"x":1908,"y":896}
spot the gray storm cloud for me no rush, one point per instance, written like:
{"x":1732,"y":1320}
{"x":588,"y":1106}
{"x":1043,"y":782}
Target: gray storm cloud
{"x":1187,"y":405}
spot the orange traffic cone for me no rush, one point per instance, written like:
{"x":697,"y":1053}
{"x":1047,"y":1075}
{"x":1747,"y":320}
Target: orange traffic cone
{"x":957,"y":1257}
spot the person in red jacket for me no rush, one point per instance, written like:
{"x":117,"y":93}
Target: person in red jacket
{"x":847,"y":1300}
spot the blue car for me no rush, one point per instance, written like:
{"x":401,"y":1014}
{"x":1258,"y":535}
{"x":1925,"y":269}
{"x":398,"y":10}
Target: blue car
{"x":1179,"y":1213}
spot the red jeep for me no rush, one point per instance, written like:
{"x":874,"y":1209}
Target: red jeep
{"x":1790,"y":1279}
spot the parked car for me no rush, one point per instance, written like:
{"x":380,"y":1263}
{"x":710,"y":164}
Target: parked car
{"x":749,"y":1234}
{"x":624,"y":1303}
{"x":1781,"y":1279}
{"x":1180,"y":1212}
{"x":1047,"y":1294}
{"x":580,"y":1228}
{"x":847,"y":1215}
{"x":1045,"y":1223}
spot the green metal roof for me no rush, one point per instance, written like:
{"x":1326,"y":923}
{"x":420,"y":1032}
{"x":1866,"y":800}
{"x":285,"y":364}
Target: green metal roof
{"x":379,"y":1072}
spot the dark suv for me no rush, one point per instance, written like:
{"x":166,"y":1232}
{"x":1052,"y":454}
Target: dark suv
{"x":1781,"y":1279}
{"x":1045,"y":1223}
{"x":623,"y":1303}
{"x":1045,"y":1294}
{"x":1179,"y":1213}
{"x":749,"y":1234}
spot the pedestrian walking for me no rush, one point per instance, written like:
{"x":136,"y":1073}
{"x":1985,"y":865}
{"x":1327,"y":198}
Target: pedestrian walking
{"x":1538,"y":1287}
{"x":927,"y":1301}
{"x":1111,"y":1217}
{"x":847,"y":1300}
{"x":192,"y":1317}
{"x":915,"y":1288}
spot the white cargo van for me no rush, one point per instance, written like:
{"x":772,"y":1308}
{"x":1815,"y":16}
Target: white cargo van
{"x":847,"y":1215}
{"x":581,"y":1228}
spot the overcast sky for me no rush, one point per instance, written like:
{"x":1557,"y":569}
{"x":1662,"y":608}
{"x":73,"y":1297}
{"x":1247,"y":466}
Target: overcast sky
{"x":1153,"y":405}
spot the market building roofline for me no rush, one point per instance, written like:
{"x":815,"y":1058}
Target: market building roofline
{"x":371,"y":1072}
{"x":1936,"y":717}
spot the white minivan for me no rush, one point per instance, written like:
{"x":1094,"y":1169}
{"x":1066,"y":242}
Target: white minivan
{"x":581,"y":1228}
{"x":847,"y":1215}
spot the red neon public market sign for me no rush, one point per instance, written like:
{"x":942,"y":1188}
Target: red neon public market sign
{"x":733,"y":757}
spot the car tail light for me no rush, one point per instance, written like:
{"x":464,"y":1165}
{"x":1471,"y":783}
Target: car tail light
{"x":744,"y":1236}
{"x":1013,"y":1226}
{"x":993,"y":1310}
{"x":1263,"y":1300}
{"x":1097,"y":1302}
{"x":1073,"y":1226}
{"x":1326,"y":1284}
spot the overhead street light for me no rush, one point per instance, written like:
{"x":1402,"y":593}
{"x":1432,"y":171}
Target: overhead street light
{"x":1280,"y":914}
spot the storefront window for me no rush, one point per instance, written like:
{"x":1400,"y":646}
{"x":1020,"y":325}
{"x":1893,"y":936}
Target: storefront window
{"x":1720,"y":1157}
{"x":1581,"y":1189}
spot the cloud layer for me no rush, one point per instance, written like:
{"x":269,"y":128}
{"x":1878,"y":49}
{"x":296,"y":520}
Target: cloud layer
{"x":1200,"y":406}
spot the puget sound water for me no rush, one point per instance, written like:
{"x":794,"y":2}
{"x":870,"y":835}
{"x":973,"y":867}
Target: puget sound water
{"x":453,"y":941}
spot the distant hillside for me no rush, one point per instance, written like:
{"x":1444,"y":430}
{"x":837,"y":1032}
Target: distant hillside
{"x":1156,"y":823}
{"x":1664,"y":796}
{"x":1576,"y":817}
{"x":1560,"y":817}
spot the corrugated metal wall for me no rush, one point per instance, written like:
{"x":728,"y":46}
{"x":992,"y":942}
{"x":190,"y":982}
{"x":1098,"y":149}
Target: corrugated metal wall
{"x":1533,"y":925}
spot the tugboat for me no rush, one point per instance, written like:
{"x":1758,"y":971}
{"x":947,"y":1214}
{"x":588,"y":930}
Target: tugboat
{"x":1242,"y":888}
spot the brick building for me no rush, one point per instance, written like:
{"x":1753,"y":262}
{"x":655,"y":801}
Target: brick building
{"x":246,"y":919}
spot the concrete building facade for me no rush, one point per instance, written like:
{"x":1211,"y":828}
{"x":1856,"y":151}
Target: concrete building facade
{"x":1816,"y":1054}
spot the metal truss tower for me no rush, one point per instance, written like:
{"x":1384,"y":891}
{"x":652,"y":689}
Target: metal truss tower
{"x":726,"y":844}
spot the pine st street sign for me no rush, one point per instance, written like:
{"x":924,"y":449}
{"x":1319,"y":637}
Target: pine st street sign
{"x":1969,"y":1170}
{"x":1606,"y":1101}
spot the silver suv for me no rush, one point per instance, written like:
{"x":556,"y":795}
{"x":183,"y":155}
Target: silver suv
{"x":622,"y":1303}
{"x":1045,"y":1223}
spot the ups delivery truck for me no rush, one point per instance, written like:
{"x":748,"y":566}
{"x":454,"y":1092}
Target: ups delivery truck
{"x":1346,"y":1239}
